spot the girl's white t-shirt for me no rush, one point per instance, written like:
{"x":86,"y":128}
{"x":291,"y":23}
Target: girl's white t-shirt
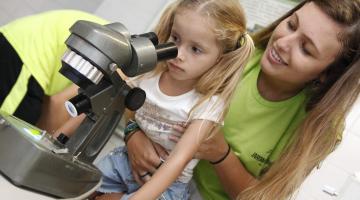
{"x":160,"y":112}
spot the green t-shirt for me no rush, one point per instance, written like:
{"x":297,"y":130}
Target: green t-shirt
{"x":39,"y":40}
{"x":256,"y":129}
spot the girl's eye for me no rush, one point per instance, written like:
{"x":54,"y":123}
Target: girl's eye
{"x":174,"y":38}
{"x":196,"y":50}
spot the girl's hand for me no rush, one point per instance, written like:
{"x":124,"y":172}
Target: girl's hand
{"x":144,"y":156}
{"x":212,"y":149}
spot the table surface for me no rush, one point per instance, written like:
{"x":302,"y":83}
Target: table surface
{"x":10,"y":191}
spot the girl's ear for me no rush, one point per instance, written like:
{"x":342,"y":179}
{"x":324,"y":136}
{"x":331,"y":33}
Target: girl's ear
{"x":221,"y":54}
{"x":218,"y":59}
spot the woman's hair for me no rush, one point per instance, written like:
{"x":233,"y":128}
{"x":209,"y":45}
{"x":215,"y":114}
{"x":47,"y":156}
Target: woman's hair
{"x":230,"y":30}
{"x":328,"y":105}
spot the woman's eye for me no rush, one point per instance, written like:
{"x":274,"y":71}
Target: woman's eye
{"x":291,"y":25}
{"x":305,"y":50}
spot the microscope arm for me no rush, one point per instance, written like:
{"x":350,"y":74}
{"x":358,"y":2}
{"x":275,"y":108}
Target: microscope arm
{"x":95,"y":52}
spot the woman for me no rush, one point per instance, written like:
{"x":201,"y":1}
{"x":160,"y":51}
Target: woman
{"x":289,"y":110}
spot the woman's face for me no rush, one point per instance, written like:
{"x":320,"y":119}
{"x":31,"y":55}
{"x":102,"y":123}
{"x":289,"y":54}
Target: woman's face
{"x":301,"y":47}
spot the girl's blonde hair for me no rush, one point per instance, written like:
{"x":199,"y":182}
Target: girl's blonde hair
{"x":231,"y":34}
{"x":327,"y":107}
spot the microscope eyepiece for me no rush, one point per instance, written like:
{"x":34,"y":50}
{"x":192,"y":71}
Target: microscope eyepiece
{"x":166,"y":51}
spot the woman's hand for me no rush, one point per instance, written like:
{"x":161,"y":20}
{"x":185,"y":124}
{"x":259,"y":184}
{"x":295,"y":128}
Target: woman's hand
{"x":212,"y":149}
{"x":109,"y":196}
{"x":144,"y":156}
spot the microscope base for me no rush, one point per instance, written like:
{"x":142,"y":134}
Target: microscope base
{"x":29,"y":158}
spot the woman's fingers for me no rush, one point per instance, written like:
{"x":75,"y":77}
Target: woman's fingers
{"x":162,"y":153}
{"x":137,"y":178}
{"x":213,"y":147}
{"x":109,"y":196}
{"x":143,"y":156}
{"x":179,"y":129}
{"x":175,"y":138}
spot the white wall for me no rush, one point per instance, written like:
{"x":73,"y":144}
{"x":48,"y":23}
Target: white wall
{"x":336,"y":171}
{"x":12,"y":9}
{"x":137,"y":16}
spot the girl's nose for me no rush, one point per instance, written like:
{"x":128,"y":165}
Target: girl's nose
{"x":180,"y":55}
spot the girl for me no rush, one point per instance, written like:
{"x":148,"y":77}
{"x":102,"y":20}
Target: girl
{"x":194,"y":88}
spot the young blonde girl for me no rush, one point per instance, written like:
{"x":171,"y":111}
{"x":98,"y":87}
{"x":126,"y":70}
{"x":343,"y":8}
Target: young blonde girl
{"x":195,"y":88}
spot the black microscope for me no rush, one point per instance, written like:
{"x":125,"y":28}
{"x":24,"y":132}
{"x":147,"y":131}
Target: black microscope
{"x":31,"y":158}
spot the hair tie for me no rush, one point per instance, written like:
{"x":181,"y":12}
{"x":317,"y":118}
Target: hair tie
{"x":241,"y":40}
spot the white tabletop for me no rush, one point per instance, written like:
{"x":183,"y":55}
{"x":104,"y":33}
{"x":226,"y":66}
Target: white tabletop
{"x":10,"y":191}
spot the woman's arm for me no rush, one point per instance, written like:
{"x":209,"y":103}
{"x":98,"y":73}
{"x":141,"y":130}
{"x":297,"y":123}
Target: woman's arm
{"x":176,"y":162}
{"x":69,"y":127}
{"x":231,"y":172}
{"x":54,"y":117}
{"x":233,"y":176}
{"x":54,"y":114}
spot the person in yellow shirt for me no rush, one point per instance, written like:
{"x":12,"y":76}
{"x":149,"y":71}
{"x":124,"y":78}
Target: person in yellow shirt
{"x":31,"y":48}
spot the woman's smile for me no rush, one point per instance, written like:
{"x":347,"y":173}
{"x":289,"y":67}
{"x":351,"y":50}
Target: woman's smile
{"x":275,"y":58}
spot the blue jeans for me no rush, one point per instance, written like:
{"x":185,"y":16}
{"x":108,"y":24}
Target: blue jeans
{"x":117,"y":177}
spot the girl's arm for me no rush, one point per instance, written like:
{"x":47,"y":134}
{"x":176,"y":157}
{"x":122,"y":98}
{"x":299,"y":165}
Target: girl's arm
{"x":176,"y":162}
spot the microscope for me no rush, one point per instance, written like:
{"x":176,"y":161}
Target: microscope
{"x":31,"y":158}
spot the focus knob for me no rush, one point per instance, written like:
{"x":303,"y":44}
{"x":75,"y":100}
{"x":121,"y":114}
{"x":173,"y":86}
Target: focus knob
{"x":135,"y":99}
{"x":77,"y":105}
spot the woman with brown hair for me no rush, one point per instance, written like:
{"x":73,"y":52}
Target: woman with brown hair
{"x":288,"y":111}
